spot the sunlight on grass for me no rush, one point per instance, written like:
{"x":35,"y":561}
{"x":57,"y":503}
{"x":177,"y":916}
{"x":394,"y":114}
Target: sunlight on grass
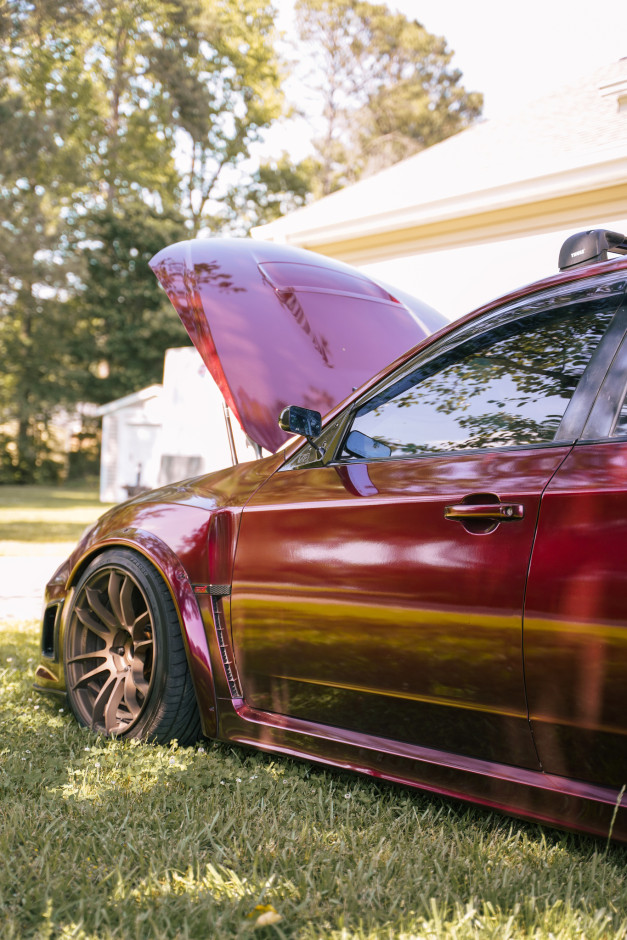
{"x":39,"y":514}
{"x":116,"y":839}
{"x":214,"y":883}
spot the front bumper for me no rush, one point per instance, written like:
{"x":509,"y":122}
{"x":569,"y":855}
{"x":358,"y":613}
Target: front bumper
{"x":49,"y":675}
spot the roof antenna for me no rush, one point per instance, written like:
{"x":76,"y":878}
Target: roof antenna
{"x":590,"y":247}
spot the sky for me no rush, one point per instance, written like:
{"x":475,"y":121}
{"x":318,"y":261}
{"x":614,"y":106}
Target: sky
{"x":514,"y":52}
{"x":517,"y":52}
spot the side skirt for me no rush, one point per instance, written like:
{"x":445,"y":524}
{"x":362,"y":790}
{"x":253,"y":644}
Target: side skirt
{"x":530,"y":794}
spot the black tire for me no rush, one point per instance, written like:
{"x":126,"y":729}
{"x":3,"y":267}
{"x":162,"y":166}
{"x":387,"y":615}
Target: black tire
{"x":125,"y":664}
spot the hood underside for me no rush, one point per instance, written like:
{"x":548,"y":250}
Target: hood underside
{"x":280,"y":326}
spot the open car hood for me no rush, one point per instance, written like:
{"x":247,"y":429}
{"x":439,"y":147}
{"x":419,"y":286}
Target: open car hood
{"x":280,"y":326}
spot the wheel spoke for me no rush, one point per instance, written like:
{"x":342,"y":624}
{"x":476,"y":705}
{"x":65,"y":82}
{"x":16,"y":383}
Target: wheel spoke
{"x":99,"y":608}
{"x":137,"y":676}
{"x":113,"y":590}
{"x":111,"y":708}
{"x":81,"y":657}
{"x":102,"y":699}
{"x":98,"y":671}
{"x":130,"y":696}
{"x":135,"y":682}
{"x":141,"y":623}
{"x":87,"y":619}
{"x":126,"y":603}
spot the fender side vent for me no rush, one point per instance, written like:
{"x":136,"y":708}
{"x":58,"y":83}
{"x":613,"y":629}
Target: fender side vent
{"x":225,"y":648}
{"x":215,"y":590}
{"x":48,"y":631}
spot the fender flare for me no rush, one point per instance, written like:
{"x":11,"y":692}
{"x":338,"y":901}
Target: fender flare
{"x":175,"y":577}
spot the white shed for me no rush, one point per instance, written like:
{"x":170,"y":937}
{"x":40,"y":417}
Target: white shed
{"x":169,"y":432}
{"x":199,"y":432}
{"x":130,"y":454}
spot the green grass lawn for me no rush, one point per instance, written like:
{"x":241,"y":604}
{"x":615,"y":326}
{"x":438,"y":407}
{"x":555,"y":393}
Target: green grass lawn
{"x":44,"y":514}
{"x":103,"y":839}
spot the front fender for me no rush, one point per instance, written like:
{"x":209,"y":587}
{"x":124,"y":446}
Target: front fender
{"x":176,"y":578}
{"x":170,"y":528}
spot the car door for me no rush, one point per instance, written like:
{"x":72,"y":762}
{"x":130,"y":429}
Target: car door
{"x":383,"y":591}
{"x":575,"y":630}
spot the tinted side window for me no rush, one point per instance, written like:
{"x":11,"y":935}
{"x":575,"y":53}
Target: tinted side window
{"x":508,"y":387}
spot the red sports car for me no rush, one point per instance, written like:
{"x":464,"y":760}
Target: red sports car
{"x":428,"y":585}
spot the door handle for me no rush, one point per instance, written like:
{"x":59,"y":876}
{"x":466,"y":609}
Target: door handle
{"x":494,"y":512}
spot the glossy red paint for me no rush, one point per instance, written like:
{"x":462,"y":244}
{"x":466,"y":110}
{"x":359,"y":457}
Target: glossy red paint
{"x":170,"y":528}
{"x":342,"y":615}
{"x":345,"y":619}
{"x":575,"y":636}
{"x":558,"y":282}
{"x":324,"y":327}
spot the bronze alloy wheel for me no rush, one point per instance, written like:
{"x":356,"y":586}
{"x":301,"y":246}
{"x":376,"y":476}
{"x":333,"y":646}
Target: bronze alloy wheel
{"x":125,"y":665}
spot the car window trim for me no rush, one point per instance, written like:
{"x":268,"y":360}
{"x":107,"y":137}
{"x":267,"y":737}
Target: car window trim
{"x":581,"y":407}
{"x":611,"y":394}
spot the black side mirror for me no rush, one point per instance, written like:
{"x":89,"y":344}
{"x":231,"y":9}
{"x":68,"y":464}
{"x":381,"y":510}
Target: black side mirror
{"x":302,"y":421}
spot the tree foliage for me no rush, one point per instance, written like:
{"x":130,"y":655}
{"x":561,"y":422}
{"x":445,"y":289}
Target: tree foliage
{"x":120,"y":314}
{"x":224,"y":92}
{"x":386,"y":84}
{"x":123,"y":124}
{"x":276,"y":187}
{"x":41,"y":172}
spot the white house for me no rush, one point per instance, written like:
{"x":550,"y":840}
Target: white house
{"x":487,"y":209}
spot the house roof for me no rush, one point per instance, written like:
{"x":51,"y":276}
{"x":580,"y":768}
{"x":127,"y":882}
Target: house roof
{"x":546,"y":166}
{"x":131,"y":401}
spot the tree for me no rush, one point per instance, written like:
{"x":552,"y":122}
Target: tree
{"x":123,"y":122}
{"x":275,"y":188}
{"x":120,"y":314}
{"x":223,"y":90}
{"x":40,"y":172}
{"x":387,"y":86}
{"x":198,"y":80}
